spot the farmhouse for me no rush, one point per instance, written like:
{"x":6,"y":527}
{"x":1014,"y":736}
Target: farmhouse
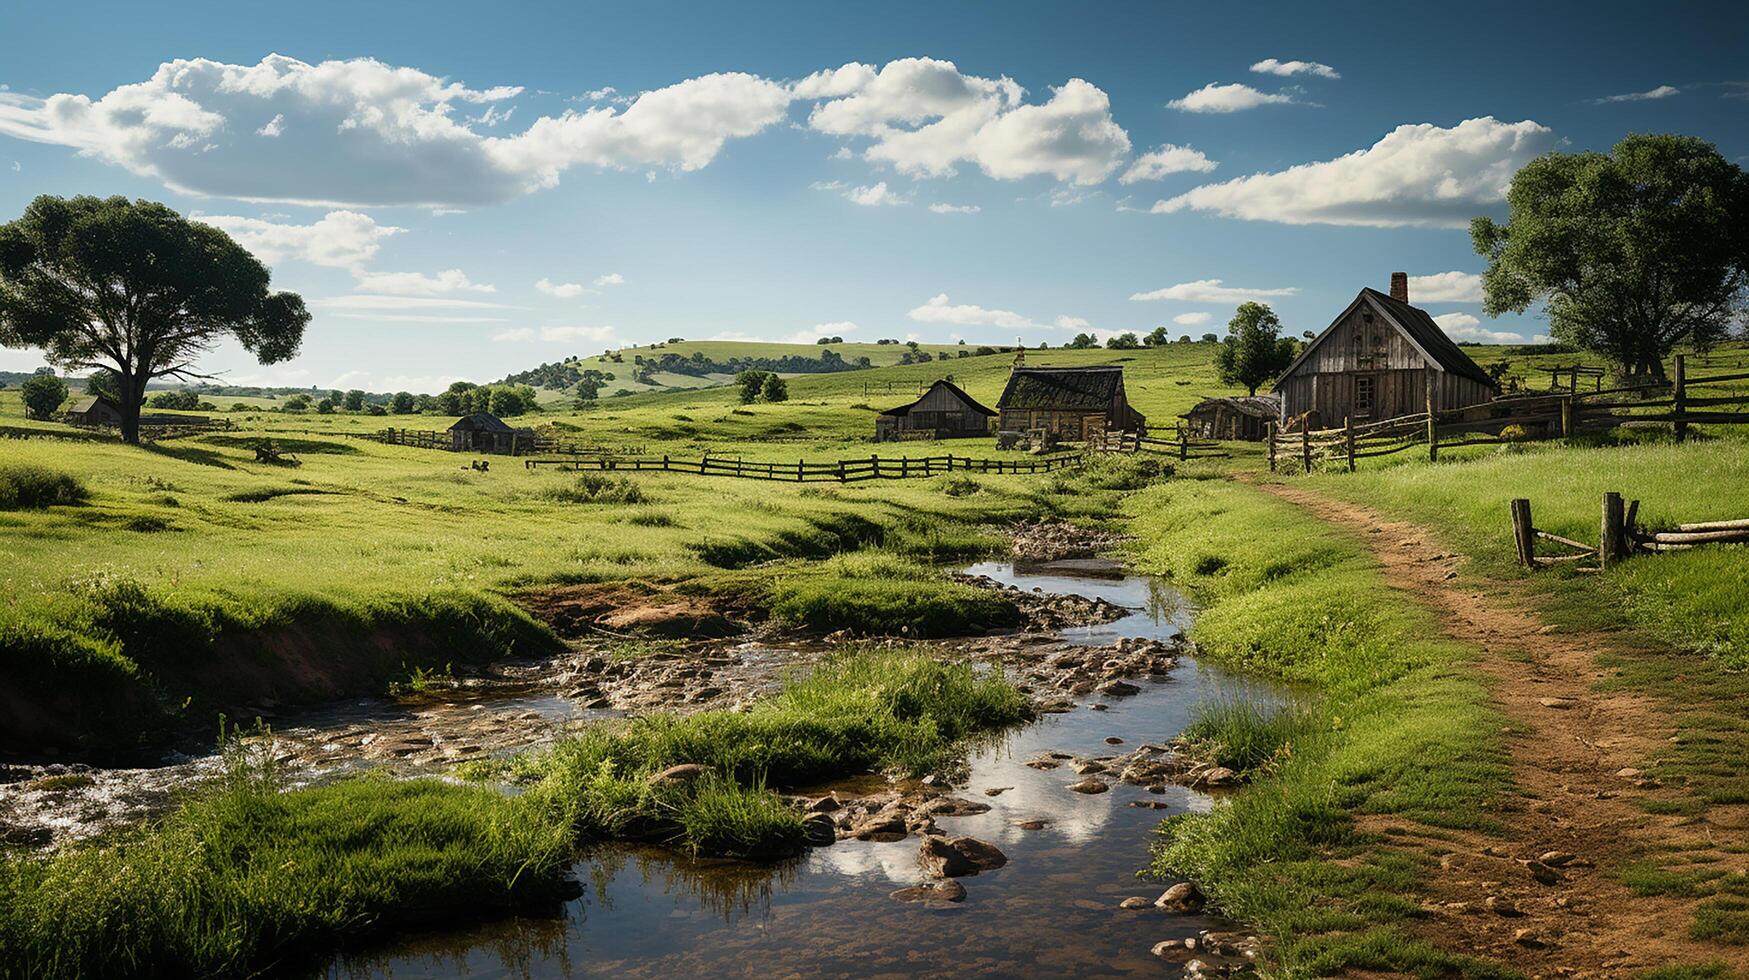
{"x":1232,"y":418}
{"x":483,"y":432}
{"x":944,"y":412}
{"x":94,"y":410}
{"x":1074,"y":403}
{"x":1381,"y":358}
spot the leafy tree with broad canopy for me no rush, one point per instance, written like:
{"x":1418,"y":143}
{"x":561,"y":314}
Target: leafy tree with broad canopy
{"x":136,"y":289}
{"x":1632,"y":253}
{"x":42,"y":394}
{"x":1254,"y":351}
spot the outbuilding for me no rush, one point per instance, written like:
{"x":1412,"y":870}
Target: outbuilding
{"x":944,"y":412}
{"x":1379,"y":359}
{"x":1076,"y":404}
{"x":1241,"y":418}
{"x":483,"y":432}
{"x":93,"y":410}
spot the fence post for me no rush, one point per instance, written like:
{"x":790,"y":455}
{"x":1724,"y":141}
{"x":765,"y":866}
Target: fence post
{"x":1679,"y":401}
{"x":1183,"y":443}
{"x":1306,"y":448}
{"x":1432,"y":433}
{"x":1270,"y":428}
{"x":1612,"y":542}
{"x":904,"y":467}
{"x":799,"y":463}
{"x":1573,"y":379}
{"x":1567,"y":417}
{"x":1348,"y":435}
{"x":1523,"y":533}
{"x":841,"y":471}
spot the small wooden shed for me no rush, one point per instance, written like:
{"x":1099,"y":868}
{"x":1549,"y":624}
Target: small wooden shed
{"x":1379,"y":359}
{"x":1241,"y":418}
{"x":93,"y":410}
{"x":945,"y":412}
{"x":483,"y":432}
{"x":1074,"y":403}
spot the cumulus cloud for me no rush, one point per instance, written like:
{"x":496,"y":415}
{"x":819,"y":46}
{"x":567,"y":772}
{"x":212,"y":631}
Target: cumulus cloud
{"x":562,"y":290}
{"x":555,"y":335}
{"x":1072,"y":323}
{"x":873,"y":197}
{"x":1272,"y":66}
{"x":955,"y":208}
{"x":1212,"y":291}
{"x":812,"y":335}
{"x":1416,"y":175}
{"x":926,"y":118}
{"x":1661,"y":92}
{"x":940,"y":310}
{"x":610,"y":279}
{"x":419,"y":284}
{"x":1446,"y":287}
{"x":1233,"y":97}
{"x":1166,"y":159}
{"x":339,"y":239}
{"x":362,"y":132}
{"x":386,"y":302}
{"x":1465,"y":328}
{"x":1192,"y":319}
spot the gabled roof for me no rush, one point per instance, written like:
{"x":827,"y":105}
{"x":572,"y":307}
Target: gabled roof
{"x":1258,"y":406}
{"x":958,"y":392}
{"x":1417,"y":326}
{"x":90,"y":402}
{"x":481,"y":422}
{"x":1088,"y":388}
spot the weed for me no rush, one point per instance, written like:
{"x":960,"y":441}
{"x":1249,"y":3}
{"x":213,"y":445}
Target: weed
{"x":595,"y":488}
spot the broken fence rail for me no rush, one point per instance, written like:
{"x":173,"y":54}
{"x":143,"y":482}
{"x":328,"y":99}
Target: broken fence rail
{"x":1619,"y":536}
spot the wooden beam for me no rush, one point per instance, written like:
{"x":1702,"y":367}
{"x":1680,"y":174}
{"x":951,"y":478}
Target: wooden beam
{"x":1523,"y":533}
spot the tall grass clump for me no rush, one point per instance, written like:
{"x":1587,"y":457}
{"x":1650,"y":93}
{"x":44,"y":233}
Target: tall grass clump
{"x":594,"y":488}
{"x":28,"y":486}
{"x":1245,"y":735}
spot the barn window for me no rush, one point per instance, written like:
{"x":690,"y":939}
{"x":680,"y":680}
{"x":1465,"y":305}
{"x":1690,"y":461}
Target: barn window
{"x":1363,"y":396}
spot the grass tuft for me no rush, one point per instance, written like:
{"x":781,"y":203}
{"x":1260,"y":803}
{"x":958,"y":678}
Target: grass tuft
{"x":26,"y":486}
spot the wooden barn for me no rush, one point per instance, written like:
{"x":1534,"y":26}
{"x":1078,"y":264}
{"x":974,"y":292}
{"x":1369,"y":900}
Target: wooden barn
{"x":1075,"y":403}
{"x":94,"y":410}
{"x":483,"y":432}
{"x":1380,"y":359}
{"x":944,"y":412}
{"x":1241,"y":418}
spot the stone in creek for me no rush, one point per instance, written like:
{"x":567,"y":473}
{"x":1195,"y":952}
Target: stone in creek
{"x":1043,"y":763}
{"x":1150,"y":804}
{"x":686,"y":772}
{"x":883,"y":826}
{"x":1219,"y":776}
{"x":1088,"y":768}
{"x":1113,"y":740}
{"x":825,"y":804}
{"x":1033,"y":824}
{"x":951,"y":806}
{"x":818,"y":830}
{"x":939,"y":891}
{"x":997,"y":790}
{"x":1096,"y":706}
{"x":1134,"y":902}
{"x":1169,"y":949}
{"x":954,"y":857}
{"x":1119,"y":689}
{"x":1182,"y":897}
{"x":1055,"y":707}
{"x":1090,"y":786}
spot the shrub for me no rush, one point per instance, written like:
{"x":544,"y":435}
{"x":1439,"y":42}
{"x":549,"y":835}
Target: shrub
{"x":25,"y":485}
{"x":960,"y":486}
{"x":595,"y":488}
{"x":42,"y":394}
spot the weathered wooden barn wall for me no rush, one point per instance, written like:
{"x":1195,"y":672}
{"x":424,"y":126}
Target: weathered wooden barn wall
{"x":943,"y":409}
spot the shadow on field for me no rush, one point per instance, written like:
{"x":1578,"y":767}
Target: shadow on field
{"x":190,"y":454}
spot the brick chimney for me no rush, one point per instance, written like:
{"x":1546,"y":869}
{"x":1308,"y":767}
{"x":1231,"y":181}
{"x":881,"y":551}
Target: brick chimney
{"x":1400,"y":286}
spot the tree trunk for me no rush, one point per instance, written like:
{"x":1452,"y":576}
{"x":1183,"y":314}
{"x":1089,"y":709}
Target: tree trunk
{"x":132,"y":395}
{"x":1253,"y":391}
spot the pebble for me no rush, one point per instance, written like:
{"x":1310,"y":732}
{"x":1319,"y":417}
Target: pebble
{"x":1090,"y":786}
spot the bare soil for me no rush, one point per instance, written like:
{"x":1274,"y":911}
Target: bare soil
{"x":1575,"y":752}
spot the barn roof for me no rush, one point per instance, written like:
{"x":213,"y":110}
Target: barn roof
{"x":1089,"y":388}
{"x":958,"y":392}
{"x":480,"y":422}
{"x":1415,"y":324}
{"x":89,"y":402}
{"x":1258,"y":406}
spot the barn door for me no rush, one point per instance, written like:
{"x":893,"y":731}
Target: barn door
{"x":1092,"y":427}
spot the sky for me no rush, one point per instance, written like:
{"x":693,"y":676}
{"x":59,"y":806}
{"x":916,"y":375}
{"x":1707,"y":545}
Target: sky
{"x":463,"y":190}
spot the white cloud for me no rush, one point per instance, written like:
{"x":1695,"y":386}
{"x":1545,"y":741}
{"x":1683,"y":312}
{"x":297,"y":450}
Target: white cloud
{"x":1166,"y":159}
{"x":812,"y":335}
{"x":555,"y":335}
{"x":939,"y":310}
{"x":611,"y":279}
{"x":1234,"y":97}
{"x":339,"y":239}
{"x":1272,"y":66}
{"x":362,"y":132}
{"x":926,"y":118}
{"x":1192,"y":319}
{"x":1211,"y":291}
{"x":955,"y":208}
{"x":1072,"y":323}
{"x":419,"y":284}
{"x":373,"y":302}
{"x":1446,"y":287}
{"x":1465,"y":328}
{"x":563,"y":290}
{"x":842,"y":153}
{"x":827,"y":185}
{"x":1661,"y":92}
{"x":873,"y":197}
{"x":420,"y":317}
{"x":1416,"y":175}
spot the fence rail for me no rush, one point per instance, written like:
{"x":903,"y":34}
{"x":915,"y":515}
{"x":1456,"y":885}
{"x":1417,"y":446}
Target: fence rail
{"x":802,"y":471}
{"x":1516,"y":419}
{"x":1619,"y":536}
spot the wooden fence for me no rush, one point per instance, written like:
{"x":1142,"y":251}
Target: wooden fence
{"x":1619,"y":536}
{"x":1519,"y":418}
{"x":802,"y":471}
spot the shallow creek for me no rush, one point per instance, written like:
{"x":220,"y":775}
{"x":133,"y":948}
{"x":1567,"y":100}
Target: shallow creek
{"x":1052,"y":910}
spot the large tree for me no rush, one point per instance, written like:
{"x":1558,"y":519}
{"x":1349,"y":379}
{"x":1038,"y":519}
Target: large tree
{"x":1254,"y":351}
{"x":1632,"y":252}
{"x":136,"y":289}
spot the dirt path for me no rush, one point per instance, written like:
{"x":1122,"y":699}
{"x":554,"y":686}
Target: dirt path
{"x":1574,"y":752}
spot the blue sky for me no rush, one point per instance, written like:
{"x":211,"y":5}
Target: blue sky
{"x":462,"y":190}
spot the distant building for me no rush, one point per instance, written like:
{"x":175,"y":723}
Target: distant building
{"x":93,"y":410}
{"x":1074,"y":403}
{"x":483,"y":432}
{"x":1380,"y":359}
{"x":1241,"y":418}
{"x":945,"y":412}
